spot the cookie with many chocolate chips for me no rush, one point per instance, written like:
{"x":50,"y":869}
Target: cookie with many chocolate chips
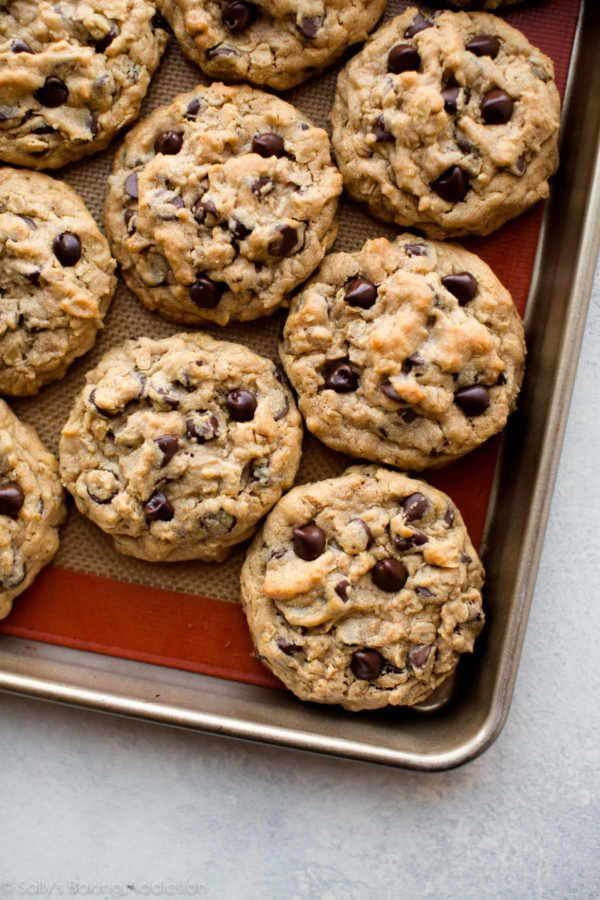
{"x":363,"y":590}
{"x":448,"y":123}
{"x":221,"y":204}
{"x":409,"y":353}
{"x":31,"y":507}
{"x":278,"y":43}
{"x":177,"y":447}
{"x":71,"y":74}
{"x":56,"y":280}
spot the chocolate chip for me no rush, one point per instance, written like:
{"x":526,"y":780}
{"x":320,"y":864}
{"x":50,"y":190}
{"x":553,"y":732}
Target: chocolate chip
{"x":105,"y":413}
{"x":241,"y":405}
{"x":284,"y":243}
{"x":484,"y":45}
{"x":342,"y":589}
{"x":415,"y":506}
{"x":16,"y":575}
{"x":104,"y":42}
{"x":29,"y":222}
{"x":220,"y":50}
{"x":203,"y":208}
{"x":93,"y":124}
{"x":449,"y":517}
{"x":239,"y":230}
{"x":169,"y":143}
{"x":462,"y":285}
{"x":43,"y":129}
{"x":262,"y":185}
{"x":406,"y":544}
{"x":360,"y":292}
{"x":168,"y":445}
{"x":450,"y":98}
{"x":382,"y":136}
{"x":201,"y":426}
{"x":268,"y":144}
{"x":465,"y":145}
{"x":452,"y":185}
{"x":415,"y":250}
{"x":367,"y":531}
{"x":19,"y":46}
{"x":67,"y":248}
{"x":130,"y":219}
{"x":501,"y":379}
{"x":238,"y":15}
{"x":403,"y":58}
{"x":418,"y":656}
{"x":367,"y":664}
{"x":309,"y":542}
{"x":218,"y":523}
{"x":408,"y":416}
{"x":205,"y":293}
{"x":342,"y":379}
{"x":424,"y":592}
{"x":473,"y":400}
{"x":390,"y":392}
{"x":287,"y":647}
{"x":158,"y":508}
{"x":11,"y":499}
{"x":496,"y":108}
{"x":309,"y":26}
{"x":53,"y":93}
{"x":131,"y":186}
{"x":193,"y":108}
{"x":33,"y":276}
{"x":389,"y":575}
{"x":419,"y":23}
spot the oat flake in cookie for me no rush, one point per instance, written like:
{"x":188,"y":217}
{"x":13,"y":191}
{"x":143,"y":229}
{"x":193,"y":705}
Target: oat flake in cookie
{"x":278,"y":43}
{"x":448,"y":123}
{"x":178,"y":447}
{"x":56,"y":280}
{"x":221,"y":204}
{"x":71,"y":74}
{"x":409,"y":353}
{"x":31,"y":507}
{"x":363,"y":590}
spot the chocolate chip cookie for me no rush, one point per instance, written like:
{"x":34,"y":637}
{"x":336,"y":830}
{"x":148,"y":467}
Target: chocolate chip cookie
{"x":447,"y":122}
{"x":31,"y":507}
{"x":363,"y":590}
{"x":278,"y":43}
{"x":409,"y":353}
{"x":221,"y":204}
{"x":177,"y":447}
{"x":56,"y":280}
{"x":71,"y":74}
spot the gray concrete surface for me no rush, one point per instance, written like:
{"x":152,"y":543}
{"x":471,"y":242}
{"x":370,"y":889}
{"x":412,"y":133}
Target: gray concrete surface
{"x":96,"y":806}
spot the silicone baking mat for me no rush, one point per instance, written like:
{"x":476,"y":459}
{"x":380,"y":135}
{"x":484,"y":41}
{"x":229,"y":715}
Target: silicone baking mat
{"x":187,"y":615}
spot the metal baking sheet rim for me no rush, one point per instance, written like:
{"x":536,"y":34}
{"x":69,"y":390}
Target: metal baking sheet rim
{"x":563,"y":275}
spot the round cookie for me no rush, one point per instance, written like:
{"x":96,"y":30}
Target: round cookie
{"x":409,"y":353}
{"x":31,"y":507}
{"x":278,"y":43}
{"x":447,"y":123}
{"x":221,"y":204}
{"x":177,"y":447}
{"x":363,"y":590}
{"x":56,"y":280}
{"x":72,"y":74}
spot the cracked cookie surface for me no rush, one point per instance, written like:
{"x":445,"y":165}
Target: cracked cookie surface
{"x":56,"y":280}
{"x":363,"y":590}
{"x":177,"y":447}
{"x":31,"y":507}
{"x":447,"y":123}
{"x":409,"y":353}
{"x":278,"y":43}
{"x":221,"y":204}
{"x":71,"y":74}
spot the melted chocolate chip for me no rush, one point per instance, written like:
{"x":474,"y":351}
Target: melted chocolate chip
{"x":403,"y":58}
{"x":367,"y":531}
{"x":389,"y":575}
{"x":202,"y":427}
{"x":237,"y":15}
{"x":309,"y":26}
{"x":390,"y":392}
{"x":342,"y":589}
{"x":287,"y":647}
{"x":285,"y":242}
{"x":158,"y":508}
{"x":168,"y":445}
{"x":131,"y":186}
{"x":496,"y":108}
{"x":484,"y":45}
{"x":360,"y":292}
{"x":169,"y":143}
{"x":309,"y":542}
{"x":130,"y":219}
{"x":203,"y":208}
{"x":473,"y":400}
{"x":262,"y":185}
{"x":367,"y":664}
{"x":53,"y":93}
{"x":67,"y":248}
{"x":415,"y":506}
{"x":105,"y":413}
{"x":11,"y":499}
{"x":419,"y":23}
{"x":415,"y":250}
{"x":452,"y":185}
{"x":406,"y":544}
{"x":19,"y":46}
{"x":268,"y":144}
{"x":342,"y":379}
{"x":382,"y":136}
{"x":241,"y":405}
{"x":205,"y":293}
{"x":418,"y":656}
{"x":239,"y":230}
{"x":450,"y":98}
{"x":104,"y":42}
{"x":462,"y":285}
